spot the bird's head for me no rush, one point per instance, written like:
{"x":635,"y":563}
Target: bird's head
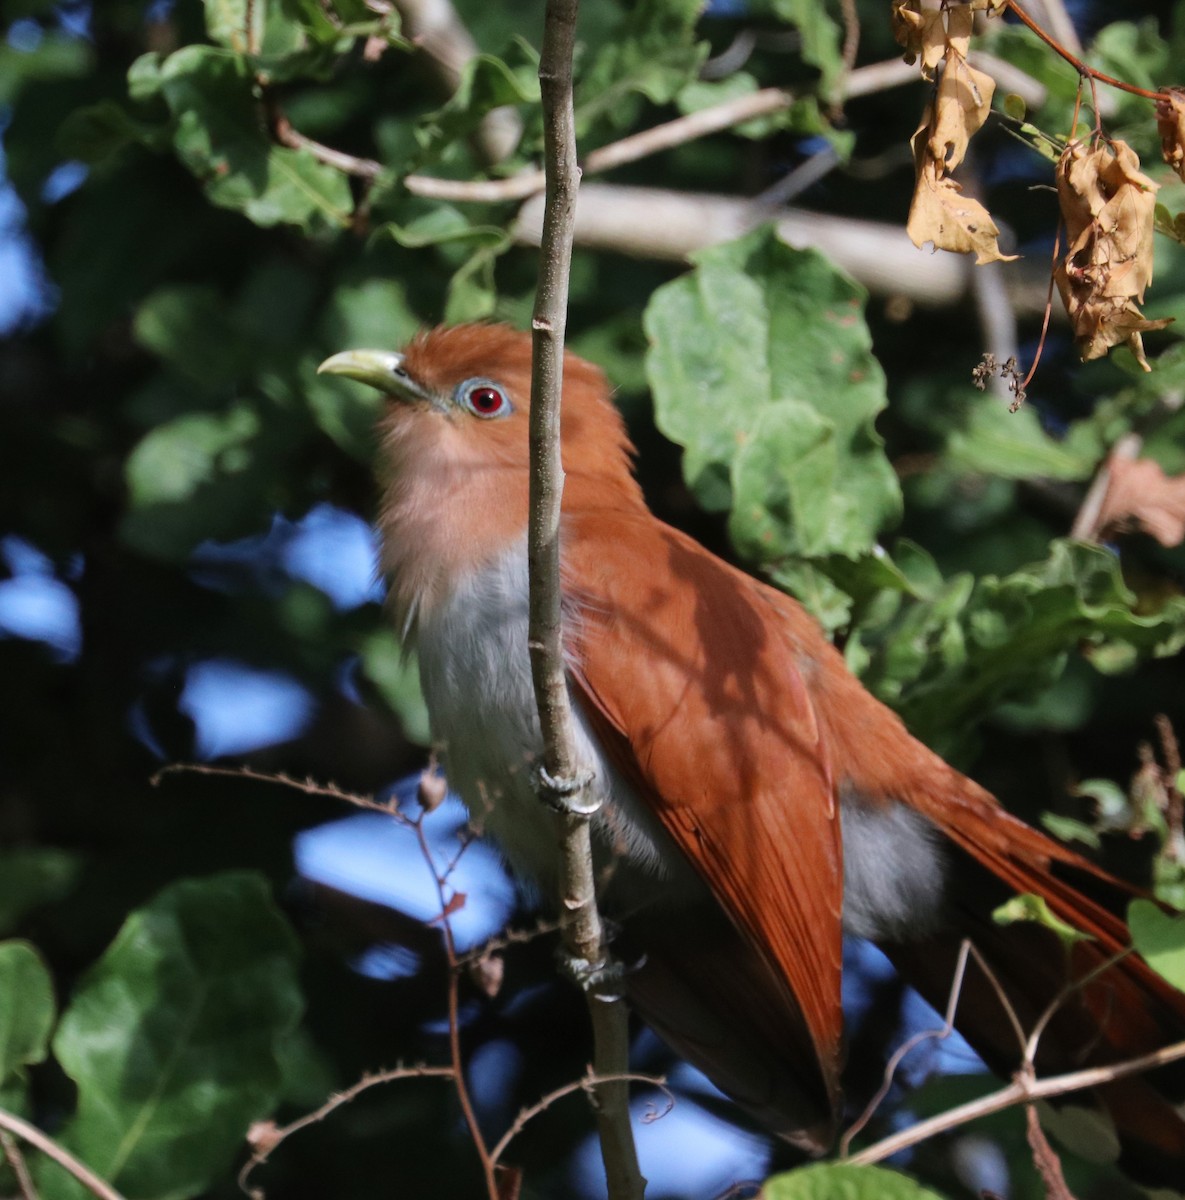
{"x":455,"y":449}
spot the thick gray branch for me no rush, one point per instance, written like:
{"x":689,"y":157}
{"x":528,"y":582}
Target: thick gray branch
{"x":662,"y":224}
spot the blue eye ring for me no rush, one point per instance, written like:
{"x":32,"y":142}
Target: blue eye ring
{"x":484,"y":398}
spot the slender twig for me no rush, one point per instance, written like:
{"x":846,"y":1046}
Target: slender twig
{"x":948,"y":1026}
{"x":587,"y":1085}
{"x":1068,"y":990}
{"x":851,"y":35}
{"x":267,"y":1139}
{"x":1045,"y":1158}
{"x":563,"y":778}
{"x":1021,"y":1090}
{"x":249,"y":27}
{"x":20,"y":1168}
{"x":440,"y":878}
{"x":1082,"y":68}
{"x":31,"y":1134}
{"x":505,"y":939}
{"x":309,"y":786}
{"x":1045,"y":315}
{"x":715,"y":119}
{"x":1174,"y":815}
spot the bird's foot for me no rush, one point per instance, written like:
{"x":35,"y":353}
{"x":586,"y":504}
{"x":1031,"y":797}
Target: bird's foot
{"x":557,"y":792}
{"x":603,"y":977}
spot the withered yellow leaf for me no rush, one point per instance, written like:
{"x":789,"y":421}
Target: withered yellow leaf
{"x":961,"y":107}
{"x":920,"y":26}
{"x":1170,"y":123}
{"x":959,"y":21}
{"x":942,"y":214}
{"x":1108,"y":207}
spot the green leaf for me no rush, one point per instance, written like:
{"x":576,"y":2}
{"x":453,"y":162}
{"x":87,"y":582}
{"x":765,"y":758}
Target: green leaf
{"x":56,"y":57}
{"x":1160,"y":939}
{"x":761,"y":368}
{"x":1013,"y":445}
{"x":26,"y":1008}
{"x":438,"y":224}
{"x":653,"y":54}
{"x":174,"y":1037}
{"x":191,"y":328}
{"x":176,"y":458}
{"x":98,"y":132}
{"x":1034,"y":908}
{"x":204,"y":475}
{"x":822,"y":39}
{"x":394,"y":673}
{"x":946,"y":662}
{"x":1069,"y":829}
{"x":220,"y":137}
{"x":486,"y":83}
{"x":253,"y":26}
{"x":843,"y":1181}
{"x":472,"y":292}
{"x":32,"y":876}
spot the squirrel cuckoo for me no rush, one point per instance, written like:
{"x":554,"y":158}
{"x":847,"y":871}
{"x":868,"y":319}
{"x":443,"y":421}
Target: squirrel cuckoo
{"x":758,"y":801}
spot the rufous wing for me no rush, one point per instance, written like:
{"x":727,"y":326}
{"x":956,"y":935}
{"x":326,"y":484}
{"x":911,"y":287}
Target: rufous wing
{"x":698,"y":690}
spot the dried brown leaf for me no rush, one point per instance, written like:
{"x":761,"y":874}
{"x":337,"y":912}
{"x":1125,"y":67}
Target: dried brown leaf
{"x":1139,"y":494}
{"x":1170,"y":123}
{"x":961,"y":107}
{"x":1108,"y":207}
{"x":940,"y":213}
{"x":928,"y":29}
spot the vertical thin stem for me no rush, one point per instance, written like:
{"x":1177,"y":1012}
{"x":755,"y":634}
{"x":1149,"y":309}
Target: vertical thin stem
{"x":564,"y":779}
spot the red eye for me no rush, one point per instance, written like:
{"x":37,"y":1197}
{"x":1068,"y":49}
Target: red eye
{"x":483,"y":398}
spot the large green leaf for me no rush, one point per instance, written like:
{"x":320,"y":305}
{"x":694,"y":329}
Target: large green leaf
{"x":761,"y":368}
{"x":174,"y":1038}
{"x":221,"y":138}
{"x":843,"y":1181}
{"x":26,"y":1008}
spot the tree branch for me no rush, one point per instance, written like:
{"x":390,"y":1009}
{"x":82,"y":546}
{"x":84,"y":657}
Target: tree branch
{"x":31,"y":1134}
{"x":16,"y":1162}
{"x":563,"y":778}
{"x":657,"y":223}
{"x":588,"y":1085}
{"x":1022,"y":1090}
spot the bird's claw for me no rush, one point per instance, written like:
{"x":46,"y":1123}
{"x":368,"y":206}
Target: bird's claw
{"x":556,"y":792}
{"x":604,"y":977}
